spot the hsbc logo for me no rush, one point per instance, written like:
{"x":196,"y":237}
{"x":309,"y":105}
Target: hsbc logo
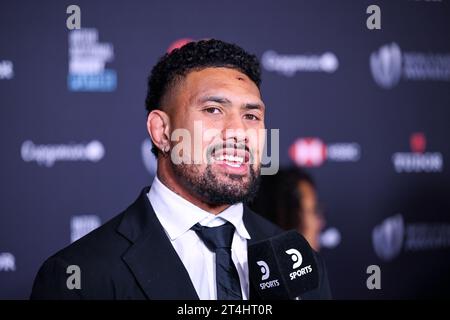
{"x":308,"y":152}
{"x":313,"y":152}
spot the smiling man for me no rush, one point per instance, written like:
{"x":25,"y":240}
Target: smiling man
{"x":186,"y":236}
{"x":225,"y":104}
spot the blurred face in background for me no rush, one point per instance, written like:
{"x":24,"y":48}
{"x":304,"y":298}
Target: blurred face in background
{"x":312,"y":221}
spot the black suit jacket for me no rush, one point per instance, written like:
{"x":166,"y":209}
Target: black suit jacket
{"x":130,"y":257}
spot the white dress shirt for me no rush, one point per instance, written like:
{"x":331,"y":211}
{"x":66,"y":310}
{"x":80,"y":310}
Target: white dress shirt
{"x":177,"y":216}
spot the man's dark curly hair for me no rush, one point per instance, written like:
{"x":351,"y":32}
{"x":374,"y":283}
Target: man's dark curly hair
{"x":196,"y":56}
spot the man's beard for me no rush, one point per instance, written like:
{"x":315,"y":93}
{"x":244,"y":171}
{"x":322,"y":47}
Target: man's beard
{"x":213,"y":191}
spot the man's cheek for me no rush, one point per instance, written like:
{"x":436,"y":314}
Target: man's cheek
{"x":258,"y":140}
{"x":181,"y":152}
{"x":211,"y":136}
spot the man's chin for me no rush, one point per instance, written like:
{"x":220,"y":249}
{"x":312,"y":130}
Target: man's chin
{"x":218,"y":185}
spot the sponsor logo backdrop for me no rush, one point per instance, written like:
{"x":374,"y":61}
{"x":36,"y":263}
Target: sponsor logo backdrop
{"x":366,"y":111}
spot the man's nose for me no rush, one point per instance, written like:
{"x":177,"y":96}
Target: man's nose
{"x":235,"y":128}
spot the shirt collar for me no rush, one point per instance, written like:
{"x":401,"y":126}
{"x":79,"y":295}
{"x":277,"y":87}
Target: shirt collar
{"x":177,"y":215}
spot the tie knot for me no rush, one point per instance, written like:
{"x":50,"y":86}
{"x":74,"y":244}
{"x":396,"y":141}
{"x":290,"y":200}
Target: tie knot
{"x":215,"y":237}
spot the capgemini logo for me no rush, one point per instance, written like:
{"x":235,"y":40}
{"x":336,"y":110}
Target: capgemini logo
{"x":289,"y":64}
{"x":296,"y":256}
{"x":48,"y":154}
{"x":264,"y":269}
{"x":386,"y":65}
{"x":387,"y":237}
{"x":94,"y":151}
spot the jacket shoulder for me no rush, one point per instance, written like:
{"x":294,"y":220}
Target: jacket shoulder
{"x":95,"y":257}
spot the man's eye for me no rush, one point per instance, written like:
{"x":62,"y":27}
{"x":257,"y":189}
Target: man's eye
{"x":251,"y":117}
{"x":212,"y":110}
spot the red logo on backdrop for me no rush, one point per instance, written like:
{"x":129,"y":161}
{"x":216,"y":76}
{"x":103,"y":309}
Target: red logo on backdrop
{"x":418,"y":142}
{"x":178,"y":44}
{"x":308,"y":152}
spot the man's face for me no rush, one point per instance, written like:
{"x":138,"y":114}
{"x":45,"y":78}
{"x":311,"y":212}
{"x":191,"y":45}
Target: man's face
{"x":224,"y":107}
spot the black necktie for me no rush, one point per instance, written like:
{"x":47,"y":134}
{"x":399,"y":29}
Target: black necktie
{"x":219,"y":239}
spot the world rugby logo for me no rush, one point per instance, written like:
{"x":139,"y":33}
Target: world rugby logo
{"x":386,"y":65}
{"x":388,"y":236}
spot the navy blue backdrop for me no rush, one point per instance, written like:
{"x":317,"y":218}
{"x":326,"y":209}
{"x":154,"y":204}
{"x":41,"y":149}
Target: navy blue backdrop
{"x":366,"y":111}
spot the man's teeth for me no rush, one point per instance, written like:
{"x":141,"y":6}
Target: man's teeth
{"x":233,"y":161}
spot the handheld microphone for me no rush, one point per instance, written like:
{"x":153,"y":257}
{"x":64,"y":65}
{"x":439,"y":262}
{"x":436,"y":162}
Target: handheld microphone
{"x":282,"y":267}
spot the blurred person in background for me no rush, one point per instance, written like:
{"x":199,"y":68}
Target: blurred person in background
{"x":289,"y":199}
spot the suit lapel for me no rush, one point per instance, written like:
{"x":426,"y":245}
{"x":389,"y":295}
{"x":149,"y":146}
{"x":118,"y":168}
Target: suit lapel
{"x":256,"y":234}
{"x":151,"y":257}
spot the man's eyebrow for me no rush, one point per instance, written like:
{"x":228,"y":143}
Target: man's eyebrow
{"x":227,"y":102}
{"x":218,"y":99}
{"x":250,"y":106}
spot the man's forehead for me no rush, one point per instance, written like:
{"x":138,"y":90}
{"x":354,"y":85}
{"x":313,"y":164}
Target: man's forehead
{"x":219,"y":76}
{"x":220,"y":82}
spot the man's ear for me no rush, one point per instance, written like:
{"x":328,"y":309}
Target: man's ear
{"x":158,"y":127}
